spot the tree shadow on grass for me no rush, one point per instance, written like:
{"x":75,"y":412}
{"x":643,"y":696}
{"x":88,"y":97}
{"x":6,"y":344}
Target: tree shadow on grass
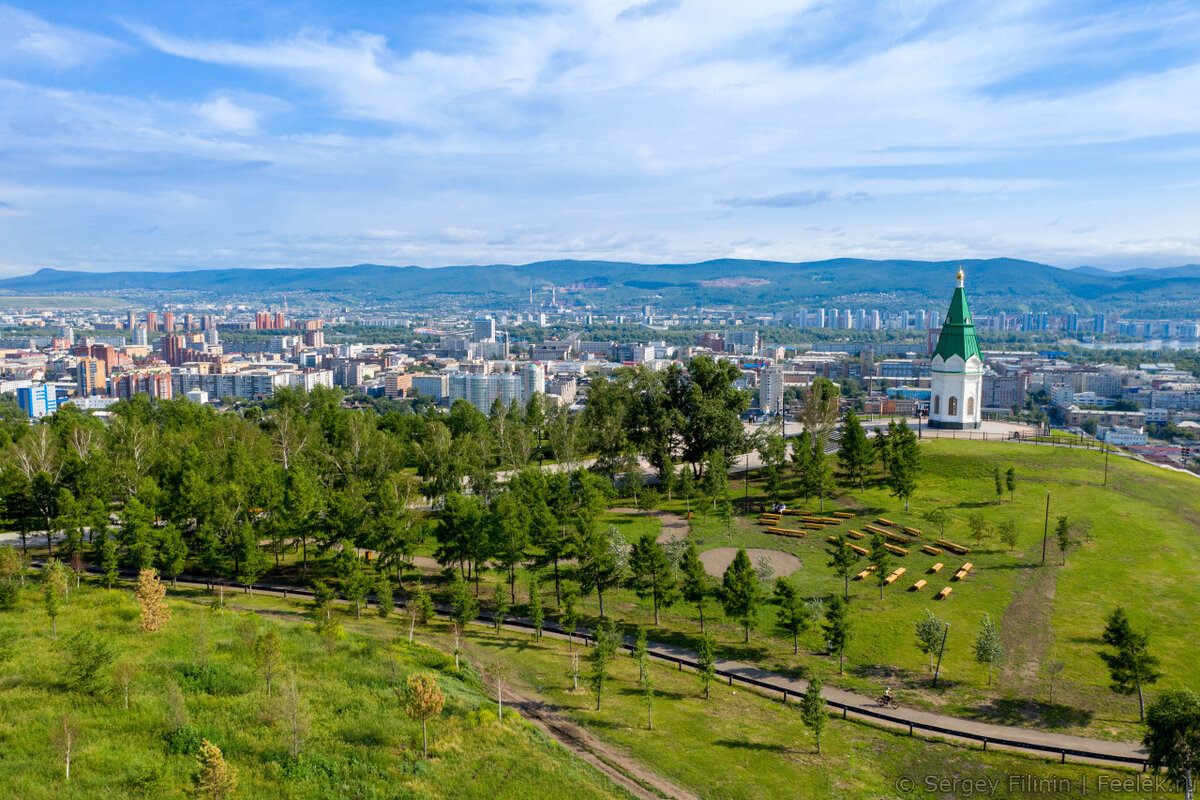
{"x":1020,"y":711}
{"x":632,"y":691}
{"x":760,"y":746}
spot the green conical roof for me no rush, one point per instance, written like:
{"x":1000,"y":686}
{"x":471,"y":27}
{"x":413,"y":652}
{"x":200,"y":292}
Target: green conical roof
{"x":958,"y":331}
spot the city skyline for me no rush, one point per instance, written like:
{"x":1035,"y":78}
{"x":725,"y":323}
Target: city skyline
{"x":315,"y":135}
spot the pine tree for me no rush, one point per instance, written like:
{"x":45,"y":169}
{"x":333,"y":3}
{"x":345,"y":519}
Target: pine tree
{"x":601,"y":654}
{"x":150,"y":593}
{"x":794,"y":616}
{"x":706,"y":662}
{"x":741,"y":592}
{"x":499,"y":607}
{"x":537,"y":614}
{"x":385,"y":598}
{"x":1130,"y":664}
{"x":837,"y":629}
{"x":844,"y":561}
{"x":812,"y":710}
{"x":881,"y":559}
{"x":215,"y":780}
{"x":855,"y":453}
{"x":108,"y":559}
{"x":904,"y":462}
{"x":464,"y":604}
{"x":695,"y":582}
{"x":652,"y":573}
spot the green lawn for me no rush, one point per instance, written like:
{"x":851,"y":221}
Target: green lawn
{"x":359,"y":743}
{"x":739,"y":744}
{"x":1143,"y":552}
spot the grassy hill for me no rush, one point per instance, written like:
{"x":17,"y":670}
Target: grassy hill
{"x":1141,"y":551}
{"x":737,"y":745}
{"x":197,"y":678}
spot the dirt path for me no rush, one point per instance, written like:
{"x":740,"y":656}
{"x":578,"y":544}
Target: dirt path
{"x":674,"y":526}
{"x":1028,"y":629}
{"x":623,"y":771}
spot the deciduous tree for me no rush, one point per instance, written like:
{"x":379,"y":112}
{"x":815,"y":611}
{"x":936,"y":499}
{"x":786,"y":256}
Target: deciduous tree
{"x":989,"y":649}
{"x":423,"y":700}
{"x":1172,"y":737}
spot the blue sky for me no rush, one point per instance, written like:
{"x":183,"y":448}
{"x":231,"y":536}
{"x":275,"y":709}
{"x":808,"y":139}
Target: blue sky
{"x":137,"y":135}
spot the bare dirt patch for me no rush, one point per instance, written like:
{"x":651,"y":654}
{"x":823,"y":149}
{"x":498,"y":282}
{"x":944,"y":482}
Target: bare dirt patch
{"x":674,"y":526}
{"x":717,"y":560}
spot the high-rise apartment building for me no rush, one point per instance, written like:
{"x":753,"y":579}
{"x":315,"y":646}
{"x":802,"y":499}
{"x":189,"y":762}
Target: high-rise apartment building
{"x":484,"y":329}
{"x":91,"y":376}
{"x":770,"y":389}
{"x":151,"y":321}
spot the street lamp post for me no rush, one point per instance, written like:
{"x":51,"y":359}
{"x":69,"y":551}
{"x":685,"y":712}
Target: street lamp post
{"x":941,"y":650}
{"x":1046,"y":528}
{"x":1106,"y":449}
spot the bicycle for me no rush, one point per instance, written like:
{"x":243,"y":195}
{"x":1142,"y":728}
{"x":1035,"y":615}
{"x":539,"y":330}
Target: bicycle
{"x":884,"y":701}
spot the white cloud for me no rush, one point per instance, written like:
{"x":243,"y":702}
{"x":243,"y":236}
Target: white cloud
{"x":26,"y":38}
{"x":223,"y":114}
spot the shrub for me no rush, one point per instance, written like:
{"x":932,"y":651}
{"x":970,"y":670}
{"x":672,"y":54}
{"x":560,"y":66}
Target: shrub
{"x":185,"y":741}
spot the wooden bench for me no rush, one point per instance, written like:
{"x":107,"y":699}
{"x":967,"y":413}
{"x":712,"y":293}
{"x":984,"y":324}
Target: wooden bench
{"x":825,"y":520}
{"x":944,"y":593}
{"x":919,"y":585}
{"x":883,"y":521}
{"x":813,"y":526}
{"x":896,"y":537}
{"x":853,"y":534}
{"x":862,"y":575}
{"x":799,"y":512}
{"x":967,"y":566}
{"x":862,"y":551}
{"x":844,"y":514}
{"x":787,"y":532}
{"x":892,"y":578}
{"x":891,"y":548}
{"x":958,"y":576}
{"x":877,"y":529}
{"x":936,"y":567}
{"x":933,"y":551}
{"x":957,"y":548}
{"x":775,"y":517}
{"x":913,"y":531}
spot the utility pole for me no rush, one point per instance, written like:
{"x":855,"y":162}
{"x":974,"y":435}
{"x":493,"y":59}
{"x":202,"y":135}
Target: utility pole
{"x":1046,"y":529}
{"x":941,"y":650}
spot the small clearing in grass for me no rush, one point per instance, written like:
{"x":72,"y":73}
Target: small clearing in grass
{"x":717,"y":560}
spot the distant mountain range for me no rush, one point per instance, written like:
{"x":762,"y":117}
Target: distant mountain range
{"x":992,"y":284}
